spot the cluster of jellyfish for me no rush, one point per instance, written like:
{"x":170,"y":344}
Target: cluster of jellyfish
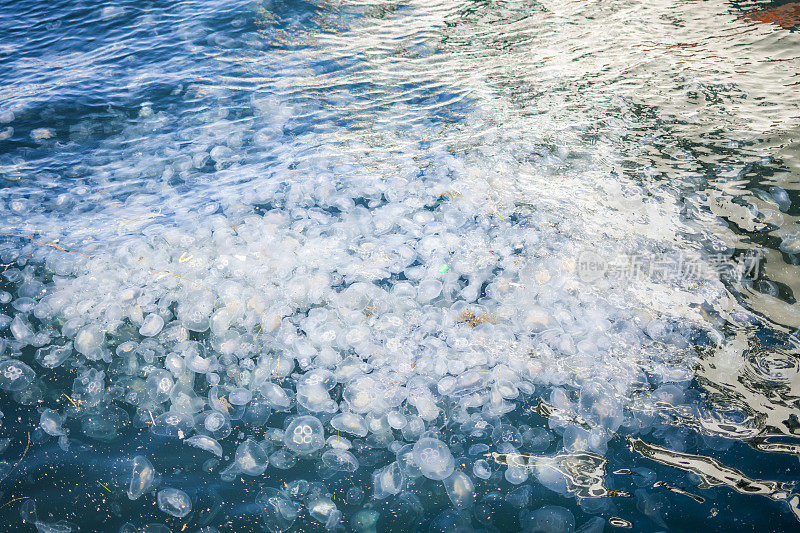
{"x":398,"y":333}
{"x":423,"y":375}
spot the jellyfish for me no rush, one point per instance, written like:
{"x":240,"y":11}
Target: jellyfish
{"x":141,"y":478}
{"x":15,"y":375}
{"x":151,"y":326}
{"x":251,"y":458}
{"x":174,"y":502}
{"x":204,"y":442}
{"x":460,"y":489}
{"x":433,"y":458}
{"x":350,"y":423}
{"x":304,"y":435}
{"x":54,"y":355}
{"x":51,"y":423}
{"x":340,"y":460}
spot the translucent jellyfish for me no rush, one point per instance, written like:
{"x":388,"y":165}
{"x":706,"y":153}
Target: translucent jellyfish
{"x":539,"y":439}
{"x":365,"y":521}
{"x":141,"y":478}
{"x":478,"y":449}
{"x":282,"y":459}
{"x":433,"y":458}
{"x":350,"y":423}
{"x":251,"y":458}
{"x":196,"y":361}
{"x":304,"y":435}
{"x":315,"y":398}
{"x":240,"y":396}
{"x":54,"y":355}
{"x":549,"y":475}
{"x":214,"y":424}
{"x":204,"y":442}
{"x":51,"y":423}
{"x":21,"y":330}
{"x":152,"y":325}
{"x":27,"y":511}
{"x":481,"y":469}
{"x":405,"y":458}
{"x":24,"y":305}
{"x":593,"y":525}
{"x":104,"y":423}
{"x":54,"y":527}
{"x":174,"y":502}
{"x":516,"y":474}
{"x":173,"y":424}
{"x":396,"y":420}
{"x":39,"y":134}
{"x":89,"y":341}
{"x":194,"y":313}
{"x":548,"y":519}
{"x":428,"y":290}
{"x":507,"y":434}
{"x":460,"y":489}
{"x":15,"y":375}
{"x":277,"y":510}
{"x":781,"y":197}
{"x":520,"y":497}
{"x":158,"y":386}
{"x":89,"y":386}
{"x":387,"y":481}
{"x":340,"y":460}
{"x":276,"y":396}
{"x":338,"y":442}
{"x":321,"y":508}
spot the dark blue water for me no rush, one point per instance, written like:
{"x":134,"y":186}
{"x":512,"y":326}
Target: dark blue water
{"x":561,"y":236}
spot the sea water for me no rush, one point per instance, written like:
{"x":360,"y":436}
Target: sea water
{"x":420,"y":266}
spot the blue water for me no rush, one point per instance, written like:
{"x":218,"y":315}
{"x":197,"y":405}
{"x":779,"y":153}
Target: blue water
{"x":421,"y":180}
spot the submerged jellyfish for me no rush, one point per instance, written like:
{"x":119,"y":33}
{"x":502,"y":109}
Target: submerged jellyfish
{"x":51,"y":423}
{"x":350,"y":423}
{"x":141,"y":477}
{"x":216,"y":425}
{"x":251,"y":458}
{"x":433,"y":458}
{"x":15,"y":375}
{"x":240,"y":396}
{"x":151,"y":326}
{"x":89,"y":341}
{"x":460,"y":489}
{"x":54,"y":355}
{"x":549,"y":519}
{"x":340,"y":460}
{"x":482,"y":469}
{"x":56,"y":527}
{"x":174,"y":502}
{"x":172,"y":424}
{"x":387,"y":481}
{"x":276,"y":396}
{"x":304,"y":435}
{"x":204,"y":442}
{"x":277,"y":510}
